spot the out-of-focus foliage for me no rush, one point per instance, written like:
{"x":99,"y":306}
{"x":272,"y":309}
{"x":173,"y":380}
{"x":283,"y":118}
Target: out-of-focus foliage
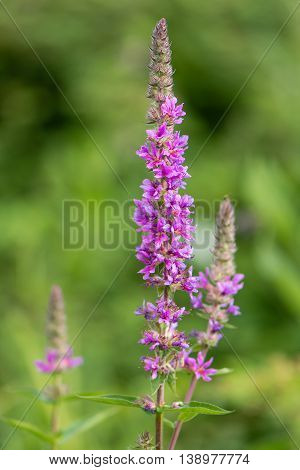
{"x":96,"y":51}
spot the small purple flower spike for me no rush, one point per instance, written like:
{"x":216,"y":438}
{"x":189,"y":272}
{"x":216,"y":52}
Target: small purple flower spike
{"x":59,"y":355}
{"x":219,"y":284}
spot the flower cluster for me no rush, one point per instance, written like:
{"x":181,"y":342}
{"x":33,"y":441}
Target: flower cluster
{"x":217,"y":300}
{"x":163,"y":216}
{"x":217,"y":288}
{"x":147,"y":404}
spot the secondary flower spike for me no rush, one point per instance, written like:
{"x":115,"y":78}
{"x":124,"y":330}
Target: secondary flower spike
{"x":218,"y":285}
{"x":59,"y":355}
{"x":163,"y":216}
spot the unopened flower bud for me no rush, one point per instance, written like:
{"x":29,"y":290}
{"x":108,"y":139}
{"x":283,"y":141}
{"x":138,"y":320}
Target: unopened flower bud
{"x":161,"y":72}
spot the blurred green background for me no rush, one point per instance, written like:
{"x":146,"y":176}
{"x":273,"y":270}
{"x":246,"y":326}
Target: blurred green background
{"x":97,"y":52}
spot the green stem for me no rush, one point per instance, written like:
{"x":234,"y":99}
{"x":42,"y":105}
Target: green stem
{"x":159,"y":418}
{"x":55,"y":424}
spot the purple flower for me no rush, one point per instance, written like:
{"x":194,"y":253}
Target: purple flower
{"x":231,"y":286}
{"x":152,"y":189}
{"x":203,"y":280}
{"x":152,"y":338}
{"x":151,"y":364}
{"x":196,"y":301}
{"x":214,"y":325}
{"x":147,"y":404}
{"x":54,"y":362}
{"x":169,"y":339}
{"x":171,"y":111}
{"x":190,"y":283}
{"x":159,"y":133}
{"x":200,"y":368}
{"x":233,"y":309}
{"x":148,"y":310}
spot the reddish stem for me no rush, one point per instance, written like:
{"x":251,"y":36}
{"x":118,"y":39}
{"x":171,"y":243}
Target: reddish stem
{"x":178,"y":425}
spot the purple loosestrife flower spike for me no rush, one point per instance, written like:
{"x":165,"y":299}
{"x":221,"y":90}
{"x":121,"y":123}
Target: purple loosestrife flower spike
{"x":59,"y":355}
{"x":163,"y":216}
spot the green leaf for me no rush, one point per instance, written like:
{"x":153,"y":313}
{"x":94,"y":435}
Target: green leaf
{"x":223,"y":371}
{"x":184,"y":417}
{"x":169,"y":423}
{"x":196,"y":407}
{"x":230,"y":326}
{"x":84,"y":425}
{"x":15,"y":423}
{"x":118,"y":400}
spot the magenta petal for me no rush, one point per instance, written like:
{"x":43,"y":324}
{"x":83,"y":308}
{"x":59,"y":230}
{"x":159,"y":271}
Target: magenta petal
{"x":43,"y":367}
{"x":200,"y":358}
{"x":206,"y":378}
{"x":51,"y":355}
{"x":208,"y":363}
{"x":75,"y":361}
{"x":191,"y":363}
{"x":154,"y":375}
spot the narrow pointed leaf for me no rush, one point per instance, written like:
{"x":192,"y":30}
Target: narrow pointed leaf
{"x":196,"y":407}
{"x":28,"y":427}
{"x":118,"y":400}
{"x":84,"y":425}
{"x":223,"y":371}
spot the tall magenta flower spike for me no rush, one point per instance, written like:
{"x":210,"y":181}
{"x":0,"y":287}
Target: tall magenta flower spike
{"x":59,"y":355}
{"x":163,"y":218}
{"x":215,"y":301}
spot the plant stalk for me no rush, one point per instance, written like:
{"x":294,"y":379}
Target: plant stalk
{"x":55,"y":424}
{"x":178,"y":425}
{"x":55,"y":412}
{"x":159,"y":419}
